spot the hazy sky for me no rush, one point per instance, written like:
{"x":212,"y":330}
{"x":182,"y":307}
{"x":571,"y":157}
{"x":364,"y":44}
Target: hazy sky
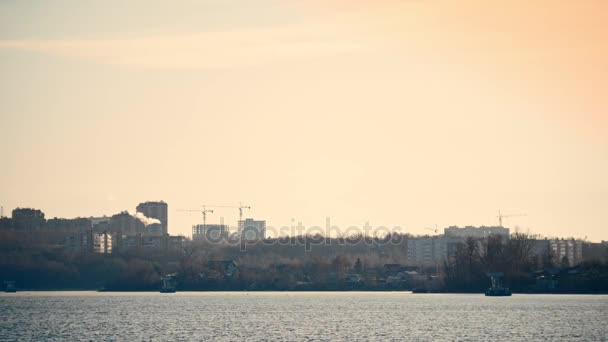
{"x":409,"y":113}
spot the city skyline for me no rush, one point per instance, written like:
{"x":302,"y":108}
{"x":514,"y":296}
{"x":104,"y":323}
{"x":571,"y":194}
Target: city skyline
{"x":400,"y":113}
{"x":153,"y":218}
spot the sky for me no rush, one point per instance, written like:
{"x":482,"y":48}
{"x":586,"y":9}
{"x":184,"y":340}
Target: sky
{"x":409,"y":114}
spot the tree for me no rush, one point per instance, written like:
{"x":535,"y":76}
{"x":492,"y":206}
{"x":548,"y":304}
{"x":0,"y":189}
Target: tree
{"x":565,"y":262}
{"x":358,"y":267}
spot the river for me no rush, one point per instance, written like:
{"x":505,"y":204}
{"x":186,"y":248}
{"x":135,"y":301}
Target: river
{"x":322,"y":316}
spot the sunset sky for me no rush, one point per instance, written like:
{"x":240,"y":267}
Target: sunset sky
{"x":410,"y":113}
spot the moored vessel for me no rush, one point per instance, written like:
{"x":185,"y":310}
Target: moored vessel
{"x":497,"y":289}
{"x":168,"y":284}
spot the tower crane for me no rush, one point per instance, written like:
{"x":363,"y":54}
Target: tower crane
{"x":240,"y":207}
{"x":433,"y":230}
{"x":501,"y":216}
{"x":204,"y":212}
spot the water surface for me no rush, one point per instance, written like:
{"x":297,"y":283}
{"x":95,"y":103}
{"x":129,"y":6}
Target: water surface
{"x":341,"y":316}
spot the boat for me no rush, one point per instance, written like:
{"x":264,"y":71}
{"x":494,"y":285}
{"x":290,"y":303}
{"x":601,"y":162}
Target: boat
{"x":420,"y":290}
{"x":168,"y":284}
{"x":498,"y":292}
{"x":496,"y":289}
{"x":9,"y":286}
{"x":167,"y":290}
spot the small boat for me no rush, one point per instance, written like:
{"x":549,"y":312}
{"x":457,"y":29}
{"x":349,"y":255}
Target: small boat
{"x":496,"y":289}
{"x":498,"y":292}
{"x":168,"y":284}
{"x":9,"y":286}
{"x":167,"y":290}
{"x":420,"y":290}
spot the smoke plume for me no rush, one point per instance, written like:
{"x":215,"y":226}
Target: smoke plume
{"x":145,"y":220}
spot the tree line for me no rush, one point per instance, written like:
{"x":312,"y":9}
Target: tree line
{"x":41,"y":262}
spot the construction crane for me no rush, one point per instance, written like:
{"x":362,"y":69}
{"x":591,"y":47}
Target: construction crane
{"x":501,"y":216}
{"x":240,"y":207}
{"x":433,"y":230}
{"x":204,"y":212}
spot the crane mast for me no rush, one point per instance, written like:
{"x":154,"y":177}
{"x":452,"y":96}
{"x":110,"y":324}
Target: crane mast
{"x":240,"y":207}
{"x":204,"y":212}
{"x":501,"y":216}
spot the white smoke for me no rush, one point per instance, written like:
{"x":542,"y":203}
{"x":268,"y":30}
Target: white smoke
{"x":146,"y":220}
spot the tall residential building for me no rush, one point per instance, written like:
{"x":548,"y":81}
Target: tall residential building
{"x":251,"y":229}
{"x":28,"y":219}
{"x":570,"y":249}
{"x":157,"y":210}
{"x":426,"y":250}
{"x":476,"y":232}
{"x":431,"y":250}
{"x":101,"y":224}
{"x":74,"y":226}
{"x":89,"y":242}
{"x":102,"y":243}
{"x":595,"y":251}
{"x":154,"y":229}
{"x":212,"y":232}
{"x":125,"y":224}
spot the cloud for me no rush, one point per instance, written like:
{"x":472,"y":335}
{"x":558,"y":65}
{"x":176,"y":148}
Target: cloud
{"x":225,"y":49}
